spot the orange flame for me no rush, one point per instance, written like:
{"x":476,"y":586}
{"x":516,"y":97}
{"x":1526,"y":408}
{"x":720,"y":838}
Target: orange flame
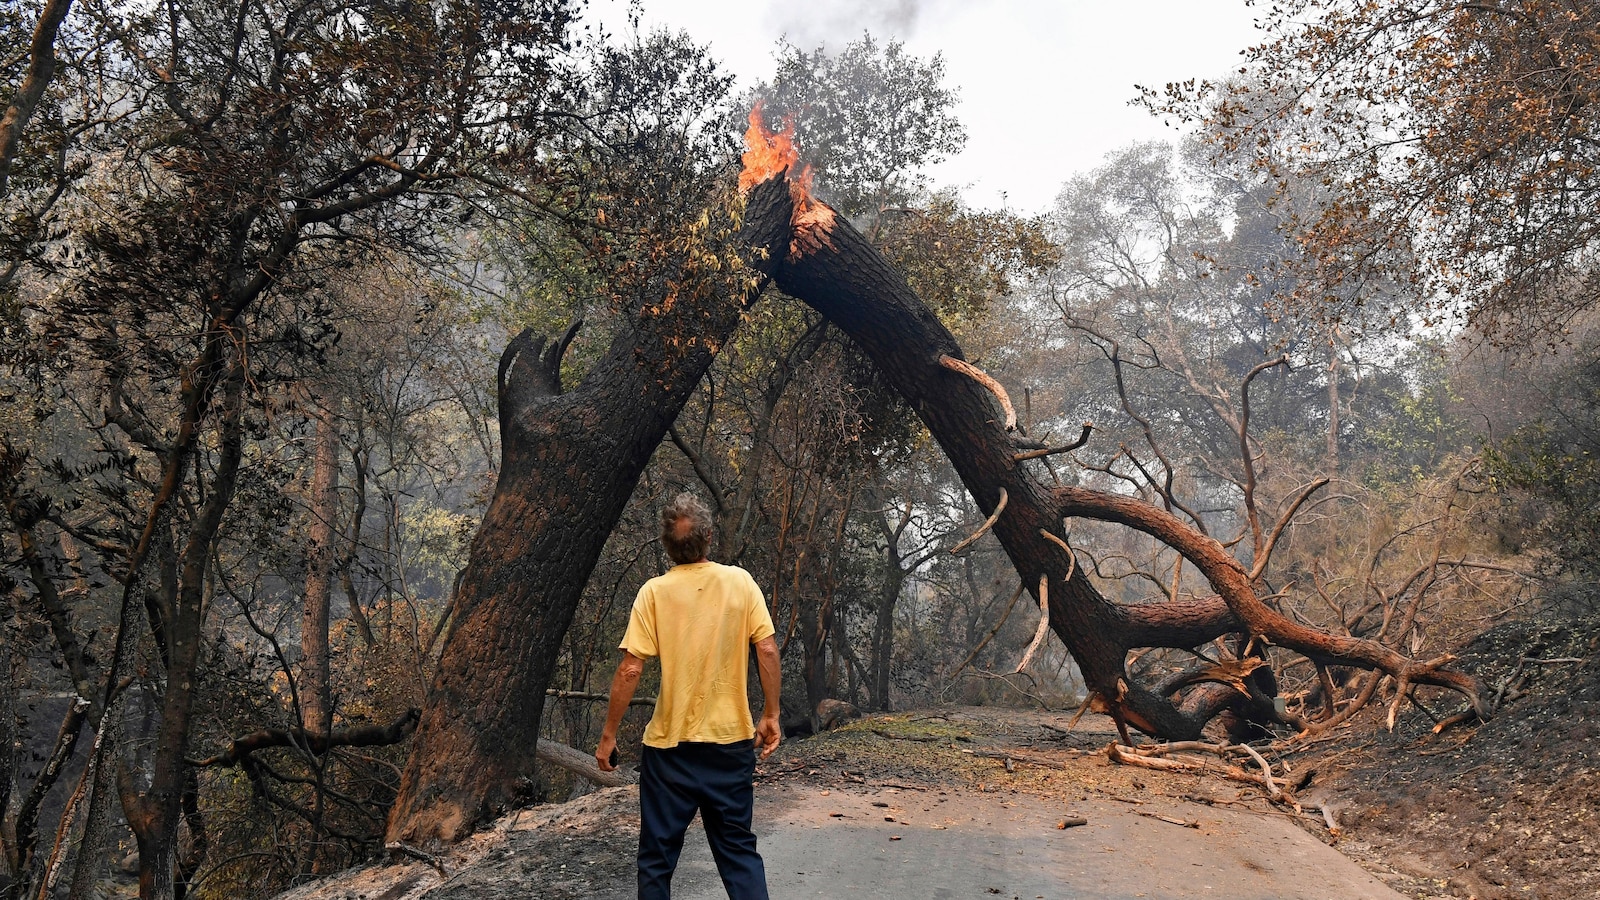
{"x":766,"y":154}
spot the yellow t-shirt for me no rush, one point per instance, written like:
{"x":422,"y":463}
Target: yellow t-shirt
{"x":700,"y":619}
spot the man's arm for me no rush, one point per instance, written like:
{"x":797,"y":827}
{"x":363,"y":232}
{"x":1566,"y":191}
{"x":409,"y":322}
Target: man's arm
{"x":768,"y":732}
{"x":623,"y":685}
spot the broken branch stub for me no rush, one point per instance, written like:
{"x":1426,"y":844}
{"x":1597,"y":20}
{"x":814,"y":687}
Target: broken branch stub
{"x":983,"y":378}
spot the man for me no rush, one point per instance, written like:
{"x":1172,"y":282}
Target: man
{"x":700,"y":619}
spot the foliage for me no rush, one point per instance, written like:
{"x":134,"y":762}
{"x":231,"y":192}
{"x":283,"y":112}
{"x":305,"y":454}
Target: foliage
{"x":868,"y":117}
{"x":1555,"y":459}
{"x":1455,"y":143}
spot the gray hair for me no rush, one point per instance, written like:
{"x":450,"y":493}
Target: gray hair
{"x":686,"y":528}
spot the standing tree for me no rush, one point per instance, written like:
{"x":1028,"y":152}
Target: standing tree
{"x":238,"y":148}
{"x":1456,"y":144}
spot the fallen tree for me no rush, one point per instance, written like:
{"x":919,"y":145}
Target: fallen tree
{"x":837,"y":271}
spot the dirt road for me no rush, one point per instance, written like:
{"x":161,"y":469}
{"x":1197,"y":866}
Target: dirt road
{"x":916,"y":806}
{"x":959,"y":844}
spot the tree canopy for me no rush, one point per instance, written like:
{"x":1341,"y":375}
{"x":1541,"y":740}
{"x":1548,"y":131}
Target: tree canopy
{"x":1456,"y":145}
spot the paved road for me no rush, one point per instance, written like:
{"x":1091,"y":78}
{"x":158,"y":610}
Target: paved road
{"x":984,"y":845}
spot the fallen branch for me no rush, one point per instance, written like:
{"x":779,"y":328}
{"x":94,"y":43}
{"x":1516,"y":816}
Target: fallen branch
{"x":983,"y":378}
{"x":1283,"y":522}
{"x":586,"y":695}
{"x":1231,"y":581}
{"x":580,"y":763}
{"x":319,"y":744}
{"x":1266,"y":770}
{"x":1153,"y":757}
{"x":1168,"y":819}
{"x":400,"y":849}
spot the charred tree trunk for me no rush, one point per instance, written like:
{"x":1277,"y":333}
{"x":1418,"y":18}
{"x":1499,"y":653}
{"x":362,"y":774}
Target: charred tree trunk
{"x":840,"y":274}
{"x":569,"y":463}
{"x":894,"y":580}
{"x":816,"y":624}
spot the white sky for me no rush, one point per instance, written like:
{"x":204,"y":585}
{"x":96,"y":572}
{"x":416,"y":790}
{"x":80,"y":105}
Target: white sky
{"x":1044,"y":85}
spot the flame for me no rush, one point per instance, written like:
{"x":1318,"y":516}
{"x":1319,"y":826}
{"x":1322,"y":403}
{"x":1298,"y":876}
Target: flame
{"x":766,"y":154}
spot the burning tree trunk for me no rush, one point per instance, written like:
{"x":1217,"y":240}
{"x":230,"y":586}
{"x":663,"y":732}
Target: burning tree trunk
{"x":837,"y":271}
{"x":569,"y":463}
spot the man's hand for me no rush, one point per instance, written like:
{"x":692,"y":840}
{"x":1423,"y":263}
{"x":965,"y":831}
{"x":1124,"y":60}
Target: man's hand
{"x":622,"y":686}
{"x":603,"y":753}
{"x":768,"y":734}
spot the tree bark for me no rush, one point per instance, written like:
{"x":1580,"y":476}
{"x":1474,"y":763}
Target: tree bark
{"x":569,"y":463}
{"x":41,"y":68}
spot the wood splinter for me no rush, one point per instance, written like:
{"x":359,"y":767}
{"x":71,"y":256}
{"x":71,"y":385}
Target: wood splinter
{"x":984,"y":528}
{"x":1044,"y":624}
{"x":983,"y":378}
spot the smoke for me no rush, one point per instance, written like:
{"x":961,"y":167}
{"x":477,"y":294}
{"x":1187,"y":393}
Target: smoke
{"x":836,"y":22}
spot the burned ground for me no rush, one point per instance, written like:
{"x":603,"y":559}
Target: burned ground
{"x":1506,"y":808}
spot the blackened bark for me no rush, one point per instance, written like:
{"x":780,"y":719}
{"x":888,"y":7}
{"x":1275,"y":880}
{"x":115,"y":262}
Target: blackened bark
{"x":317,"y":742}
{"x":569,"y":463}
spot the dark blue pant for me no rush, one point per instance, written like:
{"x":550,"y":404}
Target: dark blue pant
{"x":716,"y":779}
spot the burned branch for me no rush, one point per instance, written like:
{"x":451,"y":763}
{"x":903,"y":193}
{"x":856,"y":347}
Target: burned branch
{"x":1083,"y":438}
{"x":312,"y":741}
{"x":983,"y":529}
{"x":985,"y":379}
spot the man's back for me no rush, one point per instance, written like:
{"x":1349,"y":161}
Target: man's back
{"x":700,"y":620}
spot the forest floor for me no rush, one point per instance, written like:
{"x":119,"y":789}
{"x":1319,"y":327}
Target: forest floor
{"x":918,"y":804}
{"x":1505,"y":808}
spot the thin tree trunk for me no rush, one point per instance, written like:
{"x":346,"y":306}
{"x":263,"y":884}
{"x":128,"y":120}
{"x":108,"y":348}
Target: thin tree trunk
{"x":1333,"y":408}
{"x":316,"y":698}
{"x":99,"y":780}
{"x":883,"y":632}
{"x":175,"y":608}
{"x":41,"y":68}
